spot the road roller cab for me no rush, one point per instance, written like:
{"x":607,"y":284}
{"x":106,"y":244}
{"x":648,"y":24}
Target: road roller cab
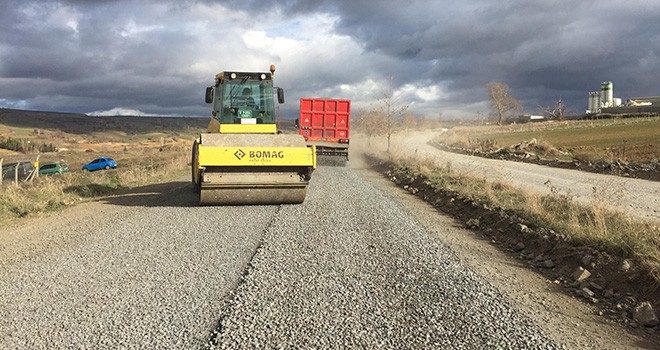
{"x":242,"y":159}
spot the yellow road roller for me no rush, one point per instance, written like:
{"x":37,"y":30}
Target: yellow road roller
{"x":242,"y":158}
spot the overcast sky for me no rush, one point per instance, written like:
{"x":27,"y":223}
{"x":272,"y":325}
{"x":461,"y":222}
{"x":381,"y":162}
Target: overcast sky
{"x":157,"y":57}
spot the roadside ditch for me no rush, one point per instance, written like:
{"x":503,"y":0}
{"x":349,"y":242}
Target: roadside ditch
{"x":622,"y":289}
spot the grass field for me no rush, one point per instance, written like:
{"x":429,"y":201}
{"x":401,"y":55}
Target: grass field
{"x":137,"y":166}
{"x":627,"y":139}
{"x":146,"y":149}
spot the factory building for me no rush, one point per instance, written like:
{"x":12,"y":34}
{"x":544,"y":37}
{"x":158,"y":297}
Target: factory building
{"x":604,"y":102}
{"x":603,"y":98}
{"x":636,"y":105}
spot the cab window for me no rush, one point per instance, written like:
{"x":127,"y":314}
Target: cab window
{"x":247,"y":100}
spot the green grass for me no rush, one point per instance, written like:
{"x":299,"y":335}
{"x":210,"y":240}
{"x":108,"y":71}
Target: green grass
{"x":594,"y":134}
{"x":21,"y":131}
{"x":628,"y":139}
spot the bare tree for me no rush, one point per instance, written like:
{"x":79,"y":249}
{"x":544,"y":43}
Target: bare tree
{"x":369,"y":121}
{"x":393,"y":109}
{"x":501,"y":100}
{"x":481,"y":117}
{"x":557,"y":112}
{"x":408,"y":121}
{"x":383,"y":117}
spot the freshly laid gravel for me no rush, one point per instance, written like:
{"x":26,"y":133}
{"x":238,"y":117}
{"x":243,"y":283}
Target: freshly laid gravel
{"x":348,"y":269}
{"x":157,"y":279}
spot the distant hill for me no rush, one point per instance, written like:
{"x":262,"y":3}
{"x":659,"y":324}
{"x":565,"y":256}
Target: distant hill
{"x":82,"y":124}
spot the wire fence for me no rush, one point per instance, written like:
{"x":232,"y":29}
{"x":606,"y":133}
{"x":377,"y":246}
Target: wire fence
{"x":15,"y":173}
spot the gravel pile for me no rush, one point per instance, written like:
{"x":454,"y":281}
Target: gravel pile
{"x":157,"y":279}
{"x":349,"y":269}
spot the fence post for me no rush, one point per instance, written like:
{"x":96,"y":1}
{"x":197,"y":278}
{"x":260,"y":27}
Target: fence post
{"x":2,"y":173}
{"x":16,"y":174}
{"x":36,"y":167}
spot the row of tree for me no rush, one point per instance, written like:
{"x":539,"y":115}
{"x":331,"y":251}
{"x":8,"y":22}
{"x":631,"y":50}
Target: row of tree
{"x":390,"y":113}
{"x":503,"y":104}
{"x":373,"y":122}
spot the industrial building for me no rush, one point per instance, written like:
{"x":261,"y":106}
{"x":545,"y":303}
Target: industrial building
{"x":525,"y":118}
{"x":604,"y":102}
{"x":603,"y":98}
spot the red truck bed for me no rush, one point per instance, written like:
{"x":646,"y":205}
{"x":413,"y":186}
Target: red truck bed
{"x":325,"y":119}
{"x":325,"y":123}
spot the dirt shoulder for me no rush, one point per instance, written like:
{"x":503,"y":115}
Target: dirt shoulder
{"x":555,"y":308}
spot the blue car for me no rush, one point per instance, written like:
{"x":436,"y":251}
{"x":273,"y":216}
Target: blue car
{"x":100,"y":163}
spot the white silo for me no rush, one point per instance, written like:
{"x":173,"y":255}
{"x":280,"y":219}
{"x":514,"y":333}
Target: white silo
{"x":606,"y":94}
{"x":594,"y":102}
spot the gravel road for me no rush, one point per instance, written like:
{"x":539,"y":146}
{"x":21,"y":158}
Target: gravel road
{"x":639,"y":198}
{"x":153,"y":277}
{"x":347,"y":268}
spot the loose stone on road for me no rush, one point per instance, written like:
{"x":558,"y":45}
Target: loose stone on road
{"x":348,"y":269}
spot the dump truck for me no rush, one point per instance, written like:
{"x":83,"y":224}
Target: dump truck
{"x":242,"y":158}
{"x":325,"y":124}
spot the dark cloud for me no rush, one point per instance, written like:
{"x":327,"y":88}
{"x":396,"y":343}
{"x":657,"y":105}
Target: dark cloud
{"x":84,"y":60}
{"x":93,"y":55}
{"x":553,"y":48}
